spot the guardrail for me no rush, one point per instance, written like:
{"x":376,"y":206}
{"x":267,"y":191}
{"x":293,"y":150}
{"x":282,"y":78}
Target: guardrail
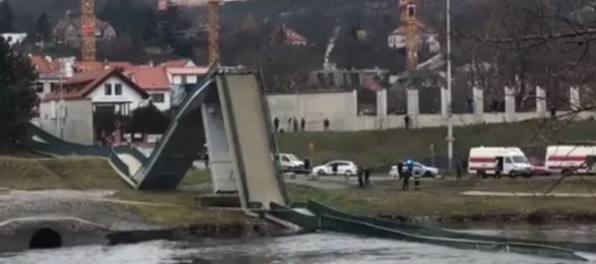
{"x":337,"y":224}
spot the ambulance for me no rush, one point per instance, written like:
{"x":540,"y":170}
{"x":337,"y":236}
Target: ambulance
{"x":483,"y":162}
{"x":571,"y":159}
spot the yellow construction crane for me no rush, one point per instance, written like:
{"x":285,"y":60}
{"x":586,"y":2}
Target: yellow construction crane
{"x":408,"y":18}
{"x":212,"y":22}
{"x":88,"y":34}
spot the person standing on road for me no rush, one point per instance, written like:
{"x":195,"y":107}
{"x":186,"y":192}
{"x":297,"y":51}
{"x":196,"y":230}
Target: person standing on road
{"x":400,"y":169}
{"x":334,"y":168}
{"x":276,"y":124}
{"x":459,"y":169}
{"x":407,"y":175}
{"x":302,"y":124}
{"x":360,"y":178}
{"x":306,"y":165}
{"x":367,"y":176}
{"x":499,"y":168}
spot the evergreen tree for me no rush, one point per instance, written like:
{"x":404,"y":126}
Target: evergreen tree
{"x":6,"y":17}
{"x":17,"y":96}
{"x":43,"y":29}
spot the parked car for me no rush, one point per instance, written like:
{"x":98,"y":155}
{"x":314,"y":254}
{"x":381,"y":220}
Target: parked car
{"x":419,"y":170}
{"x":344,"y":167}
{"x":538,"y":168}
{"x":289,"y":162}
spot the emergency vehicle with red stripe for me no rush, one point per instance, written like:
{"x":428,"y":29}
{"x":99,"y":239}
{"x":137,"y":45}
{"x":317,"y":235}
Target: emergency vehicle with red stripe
{"x":570,"y":159}
{"x":483,"y":161}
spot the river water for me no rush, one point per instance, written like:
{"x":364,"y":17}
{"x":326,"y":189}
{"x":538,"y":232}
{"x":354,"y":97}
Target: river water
{"x":311,"y":248}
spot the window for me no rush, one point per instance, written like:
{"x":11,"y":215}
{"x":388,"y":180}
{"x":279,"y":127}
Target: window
{"x":118,"y":89}
{"x":508,"y":160}
{"x":520,"y":159}
{"x":158,"y":98}
{"x":108,"y":88}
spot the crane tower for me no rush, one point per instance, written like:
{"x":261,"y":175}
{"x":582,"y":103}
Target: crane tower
{"x":212,"y":22}
{"x":408,"y":17}
{"x":213,"y":34}
{"x":88,"y":34}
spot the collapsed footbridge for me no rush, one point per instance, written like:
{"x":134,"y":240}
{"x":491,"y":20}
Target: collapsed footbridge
{"x":227,"y":109}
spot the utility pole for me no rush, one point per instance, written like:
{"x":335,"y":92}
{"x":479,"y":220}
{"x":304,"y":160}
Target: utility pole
{"x":450,"y":137}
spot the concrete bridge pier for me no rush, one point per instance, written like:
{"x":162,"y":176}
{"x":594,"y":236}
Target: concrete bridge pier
{"x":221,"y":165}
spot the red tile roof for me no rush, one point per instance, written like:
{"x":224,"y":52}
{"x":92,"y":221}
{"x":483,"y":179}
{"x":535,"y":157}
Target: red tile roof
{"x":292,"y":36}
{"x":81,"y":84}
{"x":126,"y":66}
{"x":43,"y":65}
{"x":150,"y":78}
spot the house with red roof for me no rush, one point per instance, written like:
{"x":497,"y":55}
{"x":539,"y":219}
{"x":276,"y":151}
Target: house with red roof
{"x":179,"y":63}
{"x":69,"y":110}
{"x":291,"y":37}
{"x":397,"y":38}
{"x":155,"y":82}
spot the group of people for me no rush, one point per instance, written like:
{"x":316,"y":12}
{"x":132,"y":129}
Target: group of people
{"x":293,"y":123}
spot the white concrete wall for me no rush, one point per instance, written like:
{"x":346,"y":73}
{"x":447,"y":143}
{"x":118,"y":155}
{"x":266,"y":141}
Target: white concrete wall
{"x":128,"y":94}
{"x":437,"y":120}
{"x":339,"y":108}
{"x":77,"y":121}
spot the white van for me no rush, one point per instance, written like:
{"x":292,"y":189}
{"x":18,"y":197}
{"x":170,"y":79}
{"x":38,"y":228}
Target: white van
{"x":483,"y":162}
{"x":289,"y":162}
{"x":570,"y":159}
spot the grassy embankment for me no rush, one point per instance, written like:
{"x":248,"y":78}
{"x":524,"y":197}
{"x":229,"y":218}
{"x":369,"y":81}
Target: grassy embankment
{"x":441,"y":199}
{"x":438,"y":198}
{"x":94,"y":173}
{"x":377,"y":148}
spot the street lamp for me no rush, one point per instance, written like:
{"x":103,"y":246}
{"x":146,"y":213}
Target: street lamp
{"x":450,"y":137}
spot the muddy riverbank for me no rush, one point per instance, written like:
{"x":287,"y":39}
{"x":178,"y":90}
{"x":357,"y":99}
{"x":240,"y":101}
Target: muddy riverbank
{"x":63,"y":218}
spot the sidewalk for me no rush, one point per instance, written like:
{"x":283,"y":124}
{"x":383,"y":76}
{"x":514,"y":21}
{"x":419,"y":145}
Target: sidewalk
{"x":526,"y":194}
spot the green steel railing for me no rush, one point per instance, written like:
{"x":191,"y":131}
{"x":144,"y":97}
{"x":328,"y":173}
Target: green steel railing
{"x":307,"y":222}
{"x":338,"y":224}
{"x":320,"y":209}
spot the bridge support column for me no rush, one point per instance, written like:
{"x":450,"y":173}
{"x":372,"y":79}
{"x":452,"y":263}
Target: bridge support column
{"x":222,"y":170}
